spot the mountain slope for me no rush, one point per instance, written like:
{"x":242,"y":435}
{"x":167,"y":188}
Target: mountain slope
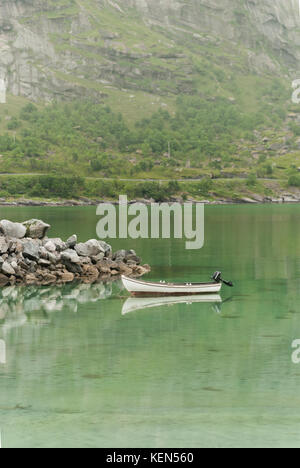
{"x":182,"y":65}
{"x":67,"y":48}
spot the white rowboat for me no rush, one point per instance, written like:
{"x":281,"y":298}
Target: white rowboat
{"x":141,"y":288}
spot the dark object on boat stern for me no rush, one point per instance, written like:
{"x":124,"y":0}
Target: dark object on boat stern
{"x":217,"y":277}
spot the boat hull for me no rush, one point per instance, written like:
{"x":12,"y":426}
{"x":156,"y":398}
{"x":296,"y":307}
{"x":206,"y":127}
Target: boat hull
{"x":142,"y":288}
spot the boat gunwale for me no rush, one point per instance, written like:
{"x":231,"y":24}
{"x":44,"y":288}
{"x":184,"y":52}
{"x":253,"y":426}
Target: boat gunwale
{"x":169,"y":285}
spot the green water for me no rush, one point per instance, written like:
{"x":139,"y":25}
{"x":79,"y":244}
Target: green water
{"x":78,"y":373}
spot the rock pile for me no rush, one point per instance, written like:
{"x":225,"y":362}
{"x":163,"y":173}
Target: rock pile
{"x":28,"y":256}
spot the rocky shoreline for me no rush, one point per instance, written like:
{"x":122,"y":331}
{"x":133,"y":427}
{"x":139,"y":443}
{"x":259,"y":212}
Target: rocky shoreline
{"x":73,"y":203}
{"x":28,"y":256}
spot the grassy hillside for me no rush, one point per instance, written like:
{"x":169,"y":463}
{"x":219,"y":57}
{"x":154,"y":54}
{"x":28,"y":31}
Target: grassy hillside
{"x":234,"y":154}
{"x":153,"y":102}
{"x":202,"y":136}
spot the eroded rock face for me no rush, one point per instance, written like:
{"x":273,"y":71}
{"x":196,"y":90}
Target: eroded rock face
{"x":33,"y":29}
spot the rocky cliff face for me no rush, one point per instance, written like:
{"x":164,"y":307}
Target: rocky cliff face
{"x":71,"y":48}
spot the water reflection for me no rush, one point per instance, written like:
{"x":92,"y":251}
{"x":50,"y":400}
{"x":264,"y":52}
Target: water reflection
{"x":138,"y":303}
{"x":2,"y":352}
{"x":34,"y":305}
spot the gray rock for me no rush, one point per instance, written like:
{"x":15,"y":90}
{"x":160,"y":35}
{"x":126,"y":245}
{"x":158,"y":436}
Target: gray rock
{"x":54,"y":259}
{"x":97,"y":258}
{"x":133,"y":259}
{"x":50,"y":246}
{"x":71,"y":242}
{"x":14,"y":265}
{"x":36,"y":229}
{"x":7,"y":269}
{"x":31,"y":250}
{"x":88,"y":249}
{"x":71,"y":256}
{"x":106,"y":248}
{"x":43,"y":253}
{"x":9,"y":229}
{"x":120,"y":255}
{"x":73,"y":267}
{"x":59,"y":244}
{"x":92,"y":248}
{"x":130,"y":252}
{"x":3,"y":245}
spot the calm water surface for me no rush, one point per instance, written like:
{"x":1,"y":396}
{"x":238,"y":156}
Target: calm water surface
{"x":75,"y":372}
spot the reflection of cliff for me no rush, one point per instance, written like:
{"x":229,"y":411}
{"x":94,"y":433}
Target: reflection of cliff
{"x":20,"y":305}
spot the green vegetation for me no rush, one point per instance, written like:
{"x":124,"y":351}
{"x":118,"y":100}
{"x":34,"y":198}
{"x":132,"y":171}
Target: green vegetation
{"x":54,"y":187}
{"x":164,"y":104}
{"x":88,"y":139}
{"x":294,"y":181}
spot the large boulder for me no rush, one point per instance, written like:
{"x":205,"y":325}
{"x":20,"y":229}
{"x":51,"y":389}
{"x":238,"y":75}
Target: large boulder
{"x":31,"y":250}
{"x":88,"y":249}
{"x":36,"y":229}
{"x":15,"y":230}
{"x":92,"y":248}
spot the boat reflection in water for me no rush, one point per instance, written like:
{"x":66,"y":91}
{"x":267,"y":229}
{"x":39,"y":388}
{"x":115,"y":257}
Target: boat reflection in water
{"x":139,"y":303}
{"x":34,"y":306}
